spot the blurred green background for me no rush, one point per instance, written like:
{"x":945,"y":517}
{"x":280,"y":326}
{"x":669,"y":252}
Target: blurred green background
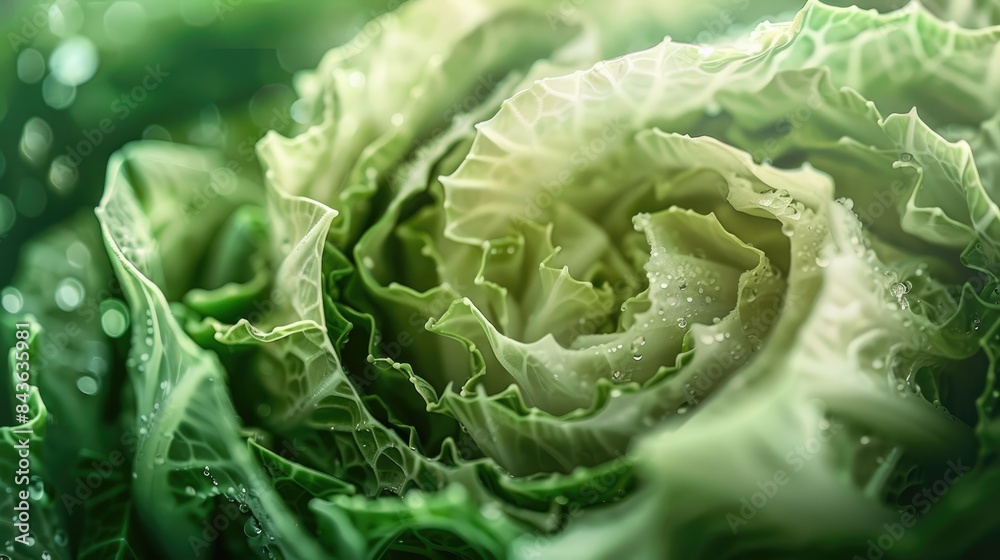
{"x":204,"y":72}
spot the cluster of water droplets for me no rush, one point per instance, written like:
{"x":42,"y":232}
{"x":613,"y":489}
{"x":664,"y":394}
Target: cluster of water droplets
{"x":143,"y":344}
{"x":685,"y":292}
{"x":708,"y":338}
{"x":240,"y":496}
{"x":898,"y":290}
{"x":784,"y":207}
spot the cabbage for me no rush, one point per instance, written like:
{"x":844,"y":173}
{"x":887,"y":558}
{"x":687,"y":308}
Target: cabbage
{"x":535,"y":282}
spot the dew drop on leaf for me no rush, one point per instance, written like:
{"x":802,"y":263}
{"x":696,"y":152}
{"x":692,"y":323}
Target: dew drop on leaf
{"x":61,"y":538}
{"x":252,"y":527}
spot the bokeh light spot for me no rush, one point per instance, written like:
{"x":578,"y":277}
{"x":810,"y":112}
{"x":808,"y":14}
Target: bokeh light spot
{"x":69,"y":294}
{"x":57,"y":94}
{"x":125,"y":22}
{"x":11,"y":300}
{"x":30,"y":66}
{"x":74,"y":62}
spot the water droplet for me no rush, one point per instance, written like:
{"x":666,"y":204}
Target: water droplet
{"x":159,"y":460}
{"x":681,"y":322}
{"x":252,"y":527}
{"x":61,"y":539}
{"x":619,"y":377}
{"x":87,"y":385}
{"x":906,"y":156}
{"x":898,"y":290}
{"x":114,"y":318}
{"x":37,"y":488}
